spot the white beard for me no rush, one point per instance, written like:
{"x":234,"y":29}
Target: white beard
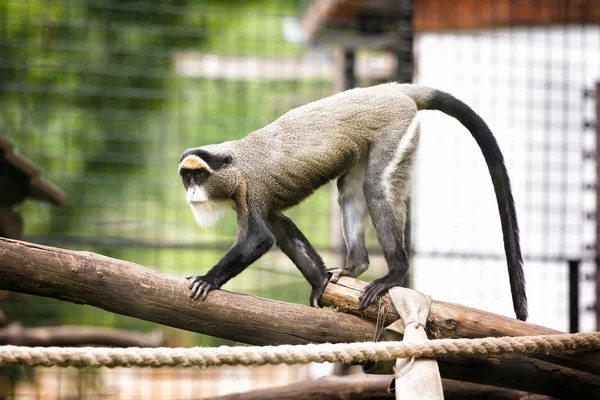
{"x":206,"y":212}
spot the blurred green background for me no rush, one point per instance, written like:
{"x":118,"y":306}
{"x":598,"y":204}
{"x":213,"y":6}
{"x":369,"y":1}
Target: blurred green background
{"x":90,"y":93}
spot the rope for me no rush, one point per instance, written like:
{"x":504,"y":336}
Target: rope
{"x":291,"y":354}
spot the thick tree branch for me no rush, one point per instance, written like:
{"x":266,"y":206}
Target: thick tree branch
{"x":449,"y":320}
{"x":130,"y":289}
{"x":17,"y":335}
{"x":362,"y":387}
{"x":358,"y":387}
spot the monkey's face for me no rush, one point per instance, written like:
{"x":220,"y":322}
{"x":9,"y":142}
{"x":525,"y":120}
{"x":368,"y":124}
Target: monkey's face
{"x":204,"y":193}
{"x":194,"y":180}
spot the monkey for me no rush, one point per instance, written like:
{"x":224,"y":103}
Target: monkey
{"x":364,"y":138}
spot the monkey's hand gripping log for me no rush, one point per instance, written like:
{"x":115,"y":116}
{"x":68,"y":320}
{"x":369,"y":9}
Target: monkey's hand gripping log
{"x":200,"y":286}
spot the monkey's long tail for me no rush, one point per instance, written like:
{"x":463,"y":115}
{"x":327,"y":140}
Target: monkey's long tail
{"x":431,"y":99}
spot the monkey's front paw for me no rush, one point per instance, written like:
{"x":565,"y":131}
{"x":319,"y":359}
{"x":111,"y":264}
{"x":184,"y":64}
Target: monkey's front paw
{"x":200,"y":286}
{"x":335,"y":273}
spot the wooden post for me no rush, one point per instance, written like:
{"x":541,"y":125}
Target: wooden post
{"x":598,"y":206}
{"x":574,"y":295}
{"x":345,"y":71}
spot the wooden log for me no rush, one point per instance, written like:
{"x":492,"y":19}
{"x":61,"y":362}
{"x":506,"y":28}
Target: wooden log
{"x":16,"y":334}
{"x":358,"y":387}
{"x":130,"y":289}
{"x":133,"y":290}
{"x":457,"y":390}
{"x":449,"y":320}
{"x":524,"y":374}
{"x":446,"y":320}
{"x":374,"y":387}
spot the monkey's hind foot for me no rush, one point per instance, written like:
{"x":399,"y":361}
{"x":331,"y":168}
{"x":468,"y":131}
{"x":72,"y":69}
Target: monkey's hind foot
{"x":377,"y":288}
{"x":200,"y":286}
{"x":335,"y":273}
{"x":353,"y":271}
{"x":316,"y":294}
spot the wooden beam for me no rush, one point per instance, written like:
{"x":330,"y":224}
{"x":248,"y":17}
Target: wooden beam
{"x":449,"y":320}
{"x":133,"y":290}
{"x":597,"y":123}
{"x":446,"y":320}
{"x":322,"y":12}
{"x":354,"y":387}
{"x":523,"y":373}
{"x":130,"y":289}
{"x":374,"y":387}
{"x":457,"y":390}
{"x":440,"y":15}
{"x":444,"y":15}
{"x":16,"y":334}
{"x":44,"y":190}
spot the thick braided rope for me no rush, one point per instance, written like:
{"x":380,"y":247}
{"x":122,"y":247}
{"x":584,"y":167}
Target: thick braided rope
{"x":288,"y":354}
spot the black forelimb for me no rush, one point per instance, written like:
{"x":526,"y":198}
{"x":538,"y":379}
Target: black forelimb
{"x":297,"y":247}
{"x":253,"y":243}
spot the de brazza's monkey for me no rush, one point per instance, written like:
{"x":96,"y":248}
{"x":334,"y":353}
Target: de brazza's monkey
{"x":366,"y":138}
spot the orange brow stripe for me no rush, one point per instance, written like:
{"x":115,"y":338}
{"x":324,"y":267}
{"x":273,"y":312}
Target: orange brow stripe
{"x":192,"y":162}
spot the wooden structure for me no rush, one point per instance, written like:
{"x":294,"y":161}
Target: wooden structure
{"x":442,"y":15}
{"x":21,"y":179}
{"x":18,"y":335}
{"x":130,"y":289}
{"x":374,"y":388}
{"x":597,"y":214}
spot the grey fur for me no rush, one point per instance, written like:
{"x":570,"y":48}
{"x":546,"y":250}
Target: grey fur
{"x":365,"y":137}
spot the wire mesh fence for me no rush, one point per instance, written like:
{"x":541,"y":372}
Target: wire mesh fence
{"x":530,"y":84}
{"x":104,"y":96}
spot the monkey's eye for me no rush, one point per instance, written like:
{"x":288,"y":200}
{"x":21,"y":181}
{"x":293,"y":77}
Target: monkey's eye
{"x":202,"y":173}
